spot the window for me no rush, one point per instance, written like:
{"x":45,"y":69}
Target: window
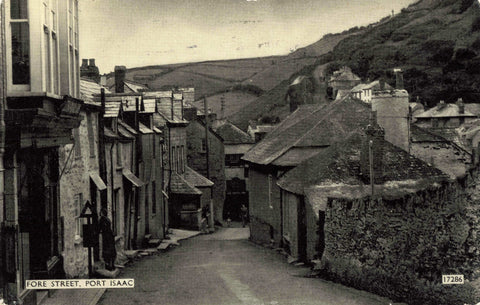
{"x":233,"y":159}
{"x":50,"y":47}
{"x":20,"y":39}
{"x":73,"y":48}
{"x":91,"y":135}
{"x":172,"y":160}
{"x":154,"y":198}
{"x":203,"y":147}
{"x":182,"y":159}
{"x":177,"y":160}
{"x":78,"y":204}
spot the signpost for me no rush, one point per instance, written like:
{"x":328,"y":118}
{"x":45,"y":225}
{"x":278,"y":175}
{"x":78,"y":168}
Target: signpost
{"x":89,"y":233}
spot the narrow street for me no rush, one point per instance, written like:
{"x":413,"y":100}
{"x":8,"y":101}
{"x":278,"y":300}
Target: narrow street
{"x":225,"y":268}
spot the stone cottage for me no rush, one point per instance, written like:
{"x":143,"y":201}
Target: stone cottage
{"x":303,"y":134}
{"x":377,"y":216}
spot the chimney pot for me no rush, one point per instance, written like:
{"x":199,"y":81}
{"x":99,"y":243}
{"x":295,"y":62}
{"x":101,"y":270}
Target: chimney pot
{"x":84,"y":63}
{"x":92,"y":62}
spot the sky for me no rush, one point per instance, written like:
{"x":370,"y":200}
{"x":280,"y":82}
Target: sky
{"x":137,"y":33}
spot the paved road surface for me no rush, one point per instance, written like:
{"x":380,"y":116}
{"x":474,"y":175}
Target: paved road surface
{"x":225,"y":269}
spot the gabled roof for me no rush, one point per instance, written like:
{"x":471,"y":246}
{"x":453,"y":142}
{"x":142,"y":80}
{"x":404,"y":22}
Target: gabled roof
{"x":134,"y":86}
{"x":196,"y":179}
{"x":88,"y":89}
{"x":179,"y":185}
{"x":311,"y":125}
{"x":444,"y":111}
{"x":231,"y":134}
{"x":339,"y":164}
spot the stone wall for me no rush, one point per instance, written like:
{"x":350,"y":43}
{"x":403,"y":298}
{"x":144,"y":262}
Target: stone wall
{"x":75,"y":183}
{"x":265,"y":215}
{"x":401,"y":248}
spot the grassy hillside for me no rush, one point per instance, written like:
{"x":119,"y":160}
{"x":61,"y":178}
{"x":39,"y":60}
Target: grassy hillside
{"x":436,"y":42}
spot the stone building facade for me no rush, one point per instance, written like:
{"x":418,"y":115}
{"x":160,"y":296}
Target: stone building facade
{"x":197,"y":160}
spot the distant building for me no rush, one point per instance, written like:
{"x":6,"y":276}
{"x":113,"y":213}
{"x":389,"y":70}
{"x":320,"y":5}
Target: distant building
{"x":198,"y":152}
{"x":188,"y":191}
{"x":343,"y":79}
{"x":258,"y":131}
{"x":364,"y":92}
{"x":445,"y":116}
{"x":236,"y":143}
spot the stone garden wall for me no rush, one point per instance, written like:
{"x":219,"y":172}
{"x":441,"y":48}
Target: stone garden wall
{"x":401,"y":248}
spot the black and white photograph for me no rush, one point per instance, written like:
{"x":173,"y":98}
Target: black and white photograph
{"x":240,"y":152}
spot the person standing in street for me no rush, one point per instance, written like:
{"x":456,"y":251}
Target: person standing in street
{"x":244,"y":212}
{"x":108,"y":240}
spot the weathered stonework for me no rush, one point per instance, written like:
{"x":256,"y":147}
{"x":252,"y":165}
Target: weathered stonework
{"x":76,"y":180}
{"x":401,"y":248}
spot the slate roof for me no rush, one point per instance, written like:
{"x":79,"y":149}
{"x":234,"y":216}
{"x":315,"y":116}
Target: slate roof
{"x":313,"y":125}
{"x":231,"y":134}
{"x":135,"y":87}
{"x":444,"y":111}
{"x":418,"y":134}
{"x":375,"y":85}
{"x":148,"y":105}
{"x":88,"y":89}
{"x":196,"y":179}
{"x":339,"y":164}
{"x":179,"y":185}
{"x":112,"y":108}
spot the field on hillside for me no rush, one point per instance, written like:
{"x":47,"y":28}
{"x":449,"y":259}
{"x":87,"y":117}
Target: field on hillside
{"x":271,"y":76}
{"x":234,"y":101}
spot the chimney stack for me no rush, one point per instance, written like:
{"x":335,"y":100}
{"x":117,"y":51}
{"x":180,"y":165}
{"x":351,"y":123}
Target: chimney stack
{"x":461,"y":106}
{"x":372,"y":149}
{"x":381,"y":81}
{"x":398,"y":78}
{"x":120,"y":72}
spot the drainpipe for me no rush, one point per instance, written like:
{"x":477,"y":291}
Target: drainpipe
{"x":137,"y":173}
{"x":3,"y":94}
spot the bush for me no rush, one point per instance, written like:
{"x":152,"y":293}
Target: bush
{"x":476,"y":24}
{"x":464,"y":54}
{"x":465,"y":4}
{"x":476,"y":44}
{"x":443,"y":55}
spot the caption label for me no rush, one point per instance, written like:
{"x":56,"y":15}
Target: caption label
{"x":452,"y":279}
{"x":80,"y":284}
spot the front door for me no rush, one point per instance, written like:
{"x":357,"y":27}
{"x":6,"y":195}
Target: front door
{"x":38,"y":209}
